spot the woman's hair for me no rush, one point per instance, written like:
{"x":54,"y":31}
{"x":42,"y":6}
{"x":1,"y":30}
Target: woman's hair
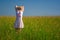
{"x":18,"y":8}
{"x":21,"y":8}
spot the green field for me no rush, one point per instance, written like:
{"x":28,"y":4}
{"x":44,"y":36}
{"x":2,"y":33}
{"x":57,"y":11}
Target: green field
{"x":35,"y":28}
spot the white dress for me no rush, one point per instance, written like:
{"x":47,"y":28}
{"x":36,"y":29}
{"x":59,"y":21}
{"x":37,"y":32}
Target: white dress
{"x":19,"y":21}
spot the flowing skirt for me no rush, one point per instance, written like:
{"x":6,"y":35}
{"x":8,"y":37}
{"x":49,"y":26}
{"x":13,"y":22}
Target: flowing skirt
{"x":19,"y":23}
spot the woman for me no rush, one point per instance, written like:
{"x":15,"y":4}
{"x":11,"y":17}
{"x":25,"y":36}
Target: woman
{"x":19,"y":14}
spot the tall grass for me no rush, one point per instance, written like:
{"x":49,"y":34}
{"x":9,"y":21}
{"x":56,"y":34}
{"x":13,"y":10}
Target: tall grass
{"x":35,"y":28}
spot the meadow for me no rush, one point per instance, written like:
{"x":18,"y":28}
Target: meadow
{"x":35,"y":28}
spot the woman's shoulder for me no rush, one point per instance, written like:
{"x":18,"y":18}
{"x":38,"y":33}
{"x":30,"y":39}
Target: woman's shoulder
{"x":21,"y":12}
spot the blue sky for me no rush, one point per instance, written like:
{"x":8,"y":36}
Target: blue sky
{"x":32,"y":7}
